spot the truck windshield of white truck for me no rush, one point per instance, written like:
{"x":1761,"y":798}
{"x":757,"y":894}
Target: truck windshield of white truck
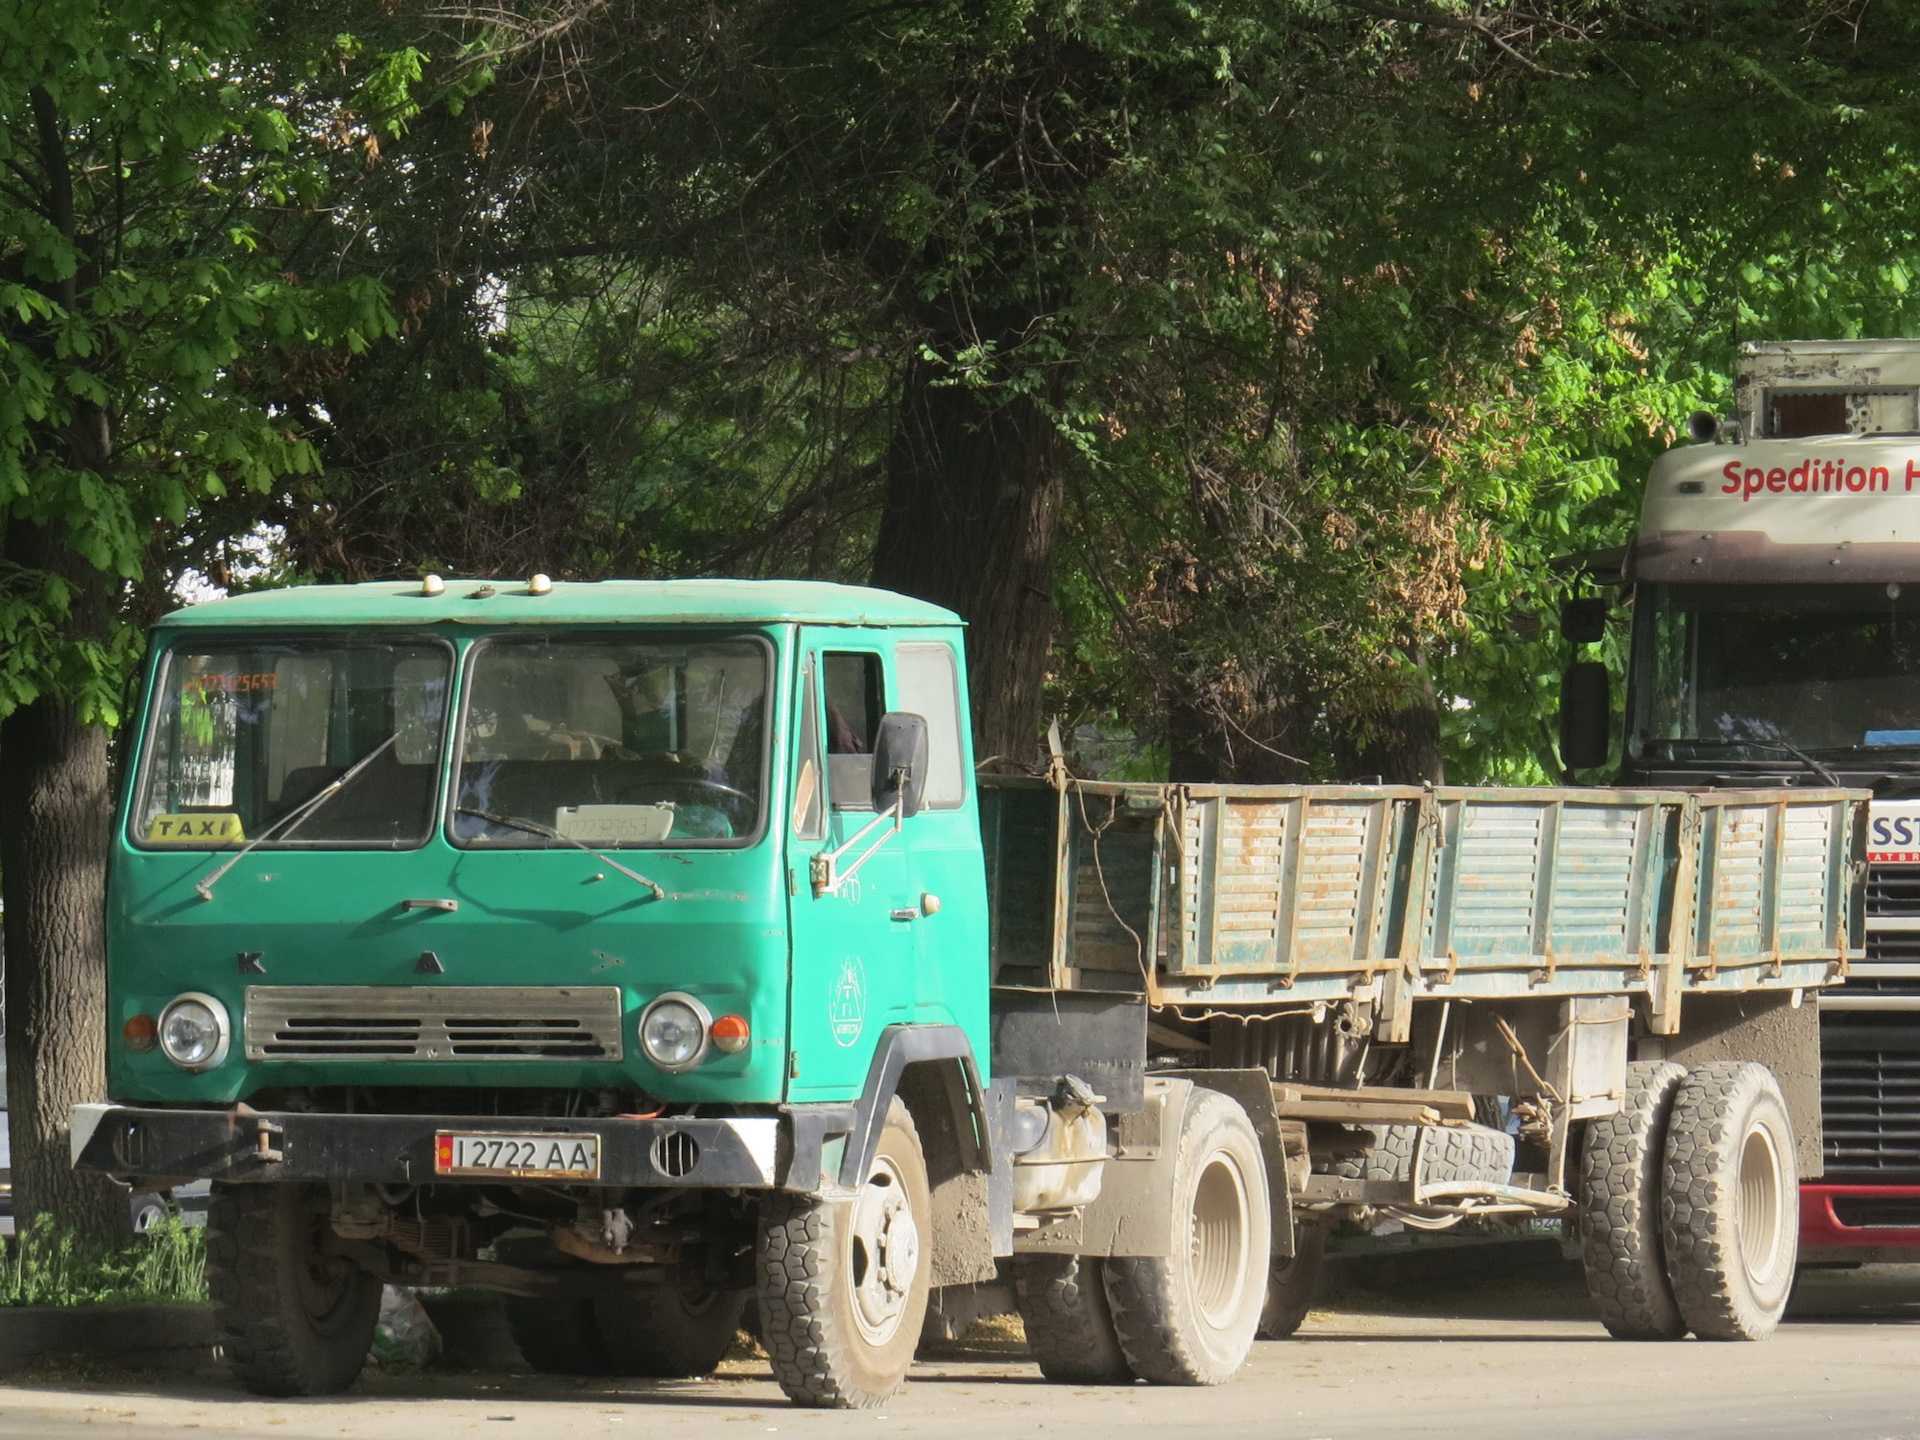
{"x":1832,"y":668}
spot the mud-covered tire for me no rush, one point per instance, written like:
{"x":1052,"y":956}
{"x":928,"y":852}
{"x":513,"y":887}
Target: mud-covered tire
{"x":1622,"y":1170}
{"x":1062,"y":1301}
{"x":293,"y":1320}
{"x":1458,"y":1153}
{"x":558,"y":1336}
{"x":1730,"y":1203}
{"x":1294,"y":1284}
{"x":1189,"y":1318}
{"x":834,"y":1342}
{"x":669,"y":1333}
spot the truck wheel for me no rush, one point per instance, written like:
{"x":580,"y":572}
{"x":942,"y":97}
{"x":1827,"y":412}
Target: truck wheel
{"x":1293,"y":1285}
{"x":558,"y":1336}
{"x":1188,"y":1318}
{"x":1731,"y":1201}
{"x":1622,"y":1164}
{"x":670,"y":1333}
{"x":1454,"y":1152}
{"x":294,"y":1319}
{"x":842,"y":1285}
{"x":1063,"y":1304}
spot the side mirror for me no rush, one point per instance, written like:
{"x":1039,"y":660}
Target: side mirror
{"x":1586,"y":707}
{"x":1584,"y":621}
{"x":900,"y":755}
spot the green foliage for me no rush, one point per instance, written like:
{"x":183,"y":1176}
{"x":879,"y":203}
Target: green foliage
{"x":50,"y":1266}
{"x":153,"y":159}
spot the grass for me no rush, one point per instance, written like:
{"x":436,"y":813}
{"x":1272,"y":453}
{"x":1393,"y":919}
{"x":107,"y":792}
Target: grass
{"x":49,"y":1266}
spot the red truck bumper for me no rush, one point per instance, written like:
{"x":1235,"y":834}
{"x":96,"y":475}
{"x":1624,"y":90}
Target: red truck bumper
{"x":1845,"y":1222}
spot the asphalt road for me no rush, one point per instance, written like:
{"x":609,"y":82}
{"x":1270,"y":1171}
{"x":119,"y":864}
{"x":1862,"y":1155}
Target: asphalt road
{"x":1525,"y":1363}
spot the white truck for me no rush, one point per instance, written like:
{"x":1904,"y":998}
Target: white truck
{"x":1774,"y":586}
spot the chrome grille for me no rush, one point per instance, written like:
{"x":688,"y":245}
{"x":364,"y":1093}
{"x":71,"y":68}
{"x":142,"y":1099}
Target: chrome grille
{"x":1870,"y":1041}
{"x":432,"y":1022}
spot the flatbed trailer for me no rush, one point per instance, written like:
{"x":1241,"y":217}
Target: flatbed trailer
{"x":636,"y":949}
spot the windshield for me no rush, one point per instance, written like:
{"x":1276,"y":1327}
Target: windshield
{"x":244,"y":732}
{"x":613,"y":741}
{"x":1821,"y":667}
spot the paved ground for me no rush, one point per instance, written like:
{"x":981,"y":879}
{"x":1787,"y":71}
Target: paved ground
{"x":1523,"y":1362}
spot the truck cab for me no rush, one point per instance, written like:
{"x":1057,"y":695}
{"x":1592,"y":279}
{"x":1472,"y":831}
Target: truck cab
{"x":572,"y":939}
{"x":1775,"y":585}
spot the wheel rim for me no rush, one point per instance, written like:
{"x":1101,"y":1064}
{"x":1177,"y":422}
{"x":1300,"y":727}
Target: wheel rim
{"x":1760,"y":1240}
{"x":1217,"y":1247}
{"x":886,"y":1253}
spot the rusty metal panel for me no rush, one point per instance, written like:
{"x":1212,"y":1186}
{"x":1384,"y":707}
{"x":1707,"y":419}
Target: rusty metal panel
{"x":1277,"y":896}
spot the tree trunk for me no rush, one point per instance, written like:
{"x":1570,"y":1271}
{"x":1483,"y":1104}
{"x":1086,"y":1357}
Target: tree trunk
{"x":972,"y":513}
{"x":1401,"y":748}
{"x":53,"y":852}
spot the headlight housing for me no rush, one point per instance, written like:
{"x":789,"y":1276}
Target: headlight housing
{"x":674,"y":1031}
{"x":194,"y":1031}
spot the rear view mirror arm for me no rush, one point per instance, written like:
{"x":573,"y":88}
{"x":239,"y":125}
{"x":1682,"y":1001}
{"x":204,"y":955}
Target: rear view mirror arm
{"x":825,"y":871}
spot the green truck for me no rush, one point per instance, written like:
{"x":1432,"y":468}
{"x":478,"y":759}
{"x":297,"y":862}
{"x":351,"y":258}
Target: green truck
{"x":640,"y":950}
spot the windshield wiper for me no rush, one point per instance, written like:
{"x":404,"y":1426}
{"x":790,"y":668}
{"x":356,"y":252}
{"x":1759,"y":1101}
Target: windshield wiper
{"x":288,"y":822}
{"x":1785,"y":747}
{"x":534,"y":827}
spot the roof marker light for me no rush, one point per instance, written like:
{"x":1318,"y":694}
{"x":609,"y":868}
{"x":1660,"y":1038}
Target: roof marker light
{"x":432,"y":585}
{"x":540,"y":585}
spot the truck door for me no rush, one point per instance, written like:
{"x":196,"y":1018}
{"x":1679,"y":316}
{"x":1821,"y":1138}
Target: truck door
{"x":943,"y":844}
{"x":853,"y":949}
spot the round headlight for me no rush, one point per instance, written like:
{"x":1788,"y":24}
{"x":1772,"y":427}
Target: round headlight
{"x":194,"y":1032}
{"x":673,"y":1031}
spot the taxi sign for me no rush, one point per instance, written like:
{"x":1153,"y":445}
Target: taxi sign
{"x":216,"y":829}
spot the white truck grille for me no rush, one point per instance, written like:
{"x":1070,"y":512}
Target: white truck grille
{"x":432,"y":1022}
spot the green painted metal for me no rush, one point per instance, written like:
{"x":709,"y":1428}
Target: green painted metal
{"x":728,"y":929}
{"x":1270,"y":897}
{"x":604,"y":602}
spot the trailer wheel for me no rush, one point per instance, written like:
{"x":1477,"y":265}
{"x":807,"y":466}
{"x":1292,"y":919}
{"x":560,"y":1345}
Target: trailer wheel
{"x":1622,"y":1166}
{"x":669,"y":1333}
{"x":294,"y":1318}
{"x":1731,"y":1203}
{"x":843,"y":1285}
{"x":1188,"y":1318}
{"x":558,"y":1336}
{"x":1063,"y":1304}
{"x":1294,"y":1284}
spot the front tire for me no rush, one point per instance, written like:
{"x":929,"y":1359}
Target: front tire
{"x":1188,"y":1318}
{"x":842,"y":1286}
{"x":294,"y":1318}
{"x":1731,"y":1205}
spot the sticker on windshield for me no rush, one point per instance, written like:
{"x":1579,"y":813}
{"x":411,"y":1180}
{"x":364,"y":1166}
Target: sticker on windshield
{"x":196,"y":830}
{"x":847,"y":1003}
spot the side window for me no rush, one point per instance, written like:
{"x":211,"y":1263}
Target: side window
{"x":809,"y":809}
{"x":856,"y":699}
{"x":930,"y":687}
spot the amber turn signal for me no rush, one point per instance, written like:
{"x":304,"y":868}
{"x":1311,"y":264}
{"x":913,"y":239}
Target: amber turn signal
{"x":142,"y":1032}
{"x":730,"y":1034}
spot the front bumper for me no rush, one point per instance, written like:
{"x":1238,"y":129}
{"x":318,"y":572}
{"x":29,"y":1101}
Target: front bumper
{"x":155,"y":1148}
{"x":1857,"y":1222}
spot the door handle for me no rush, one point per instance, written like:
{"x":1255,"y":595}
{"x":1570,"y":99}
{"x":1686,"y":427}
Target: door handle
{"x":905,"y":912}
{"x":447,"y":905}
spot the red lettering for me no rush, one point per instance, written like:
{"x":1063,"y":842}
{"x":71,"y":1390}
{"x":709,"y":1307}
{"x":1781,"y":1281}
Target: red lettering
{"x":1776,"y":480}
{"x":1732,"y":471}
{"x":1879,"y":478}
